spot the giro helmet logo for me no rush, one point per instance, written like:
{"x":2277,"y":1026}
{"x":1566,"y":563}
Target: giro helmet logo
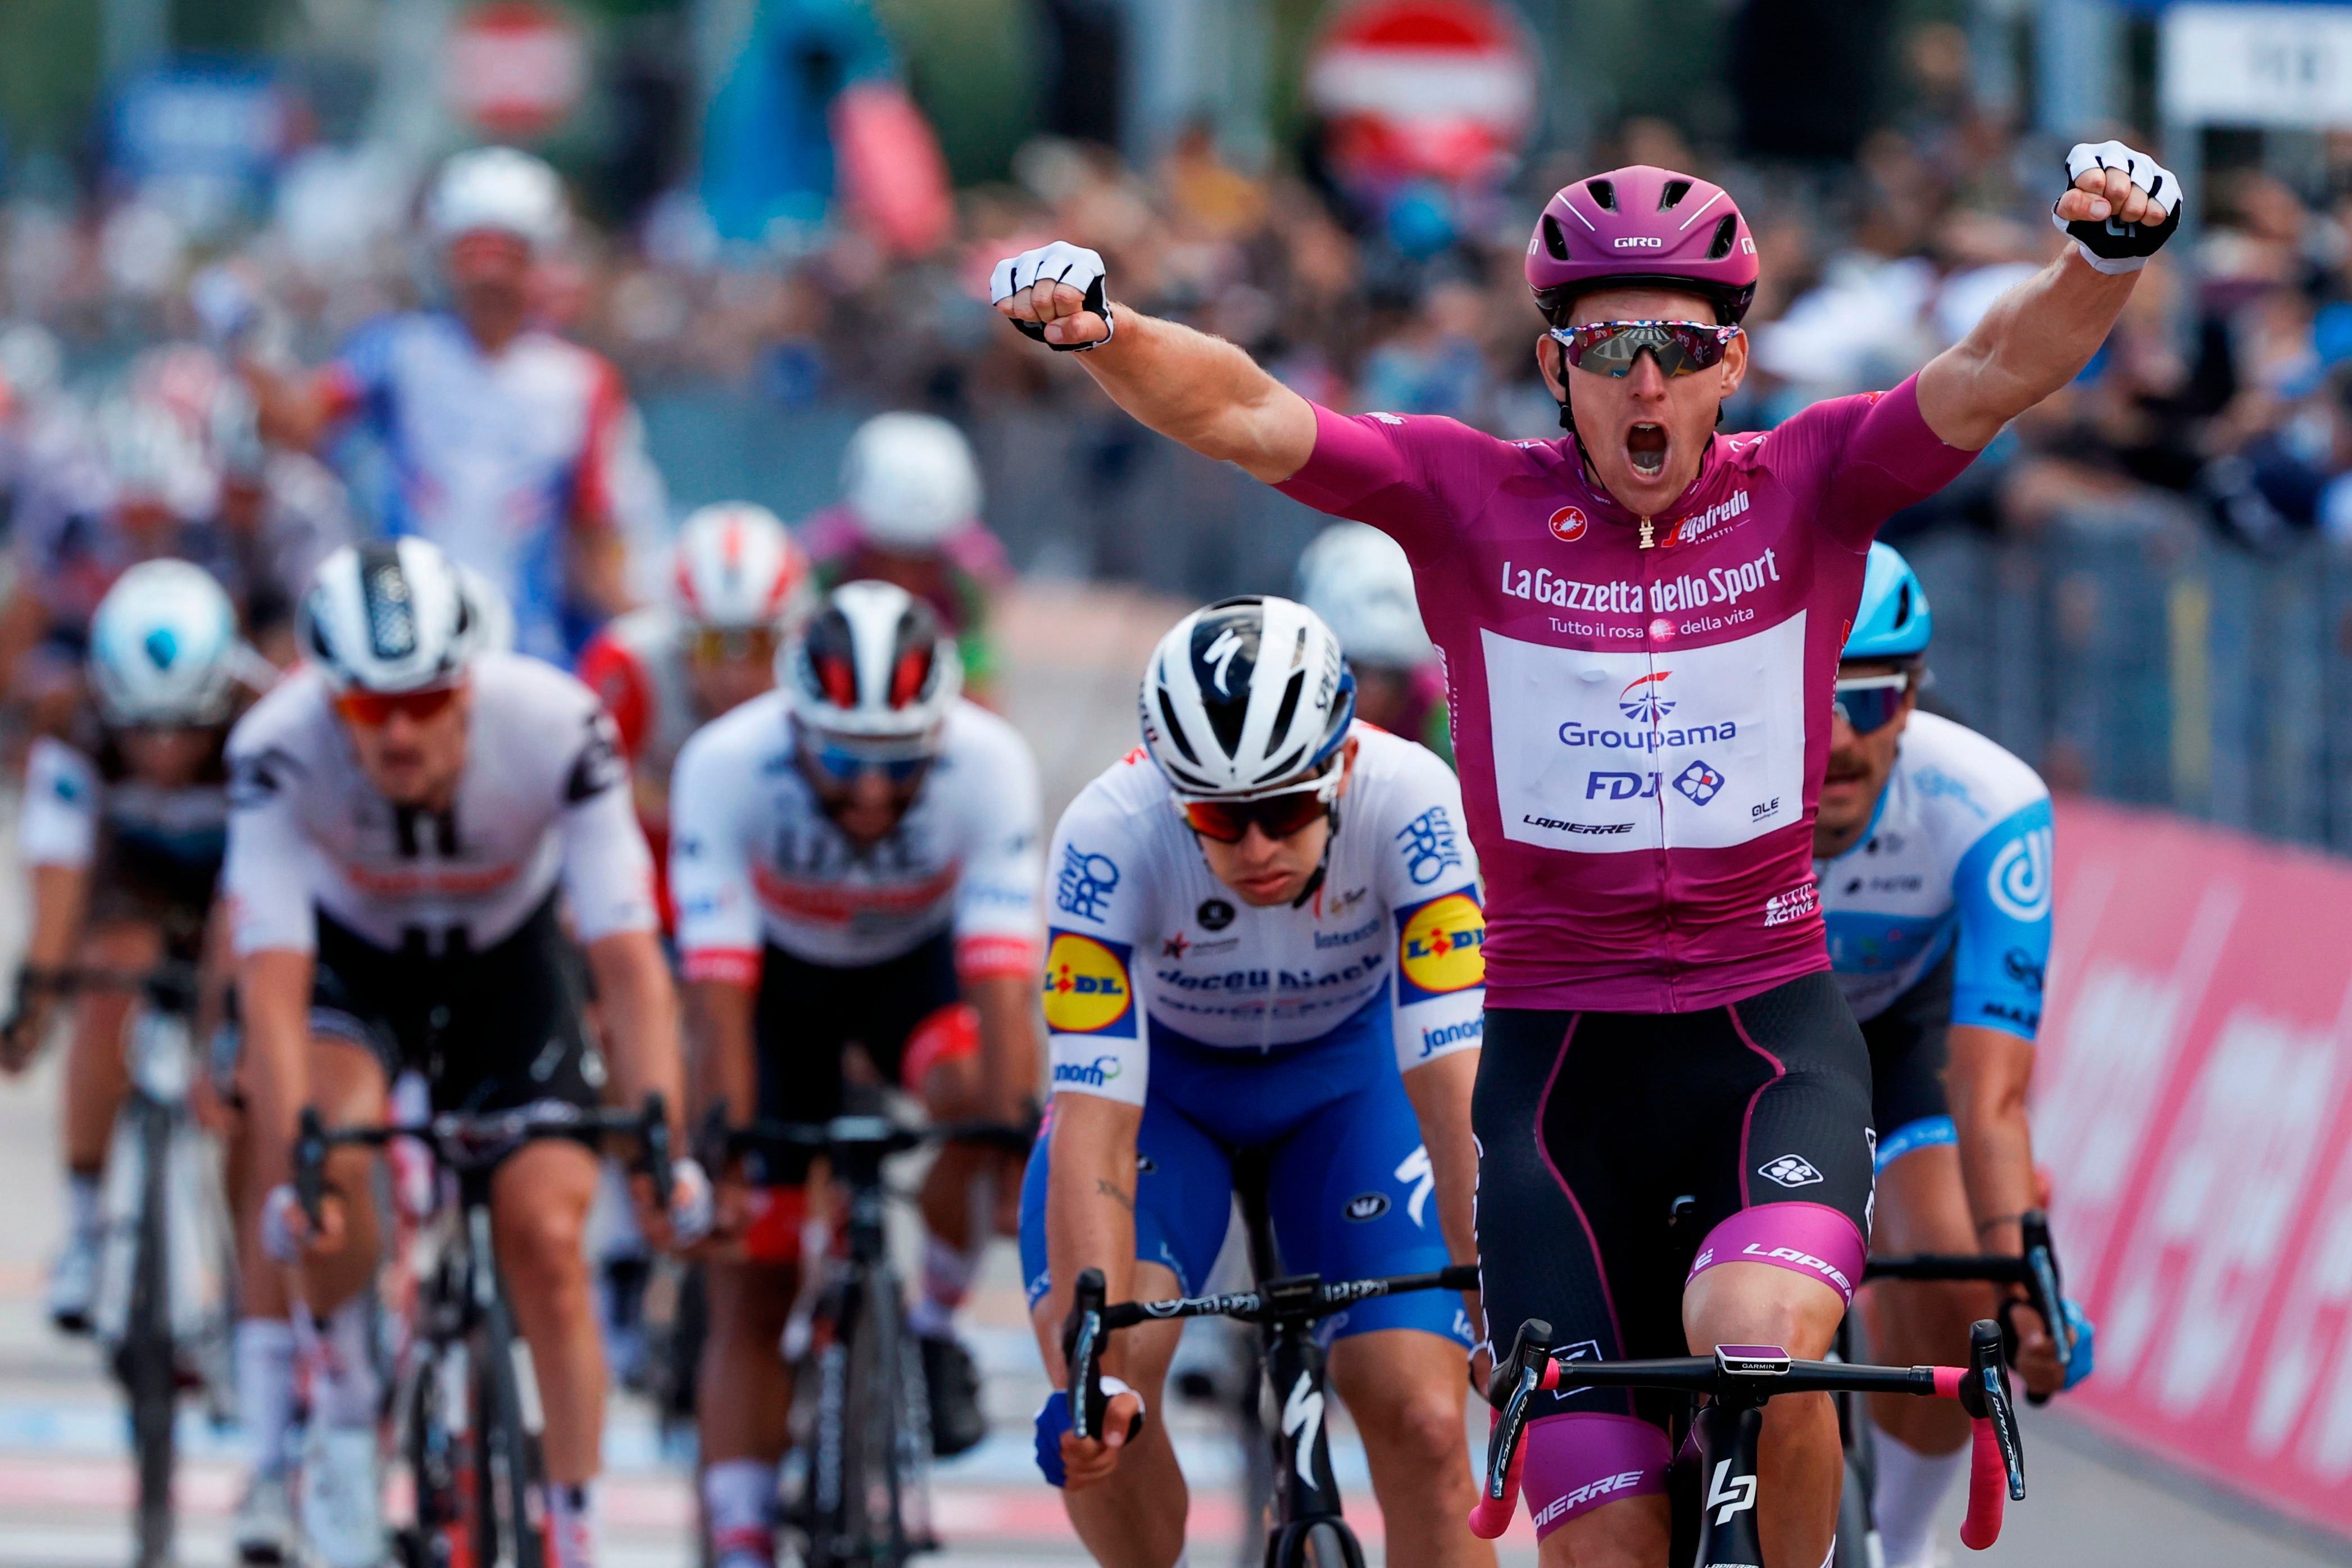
{"x":1567,"y":524}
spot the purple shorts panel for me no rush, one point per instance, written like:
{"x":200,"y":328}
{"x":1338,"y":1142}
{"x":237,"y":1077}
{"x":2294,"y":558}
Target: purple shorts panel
{"x":1578,"y":1461}
{"x":1809,"y":1239}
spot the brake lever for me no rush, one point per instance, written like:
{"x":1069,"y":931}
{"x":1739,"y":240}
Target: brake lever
{"x":653,"y":1136}
{"x":2044,"y":1283}
{"x":1987,"y":1395}
{"x":1513,"y":1387}
{"x":1082,"y":1334}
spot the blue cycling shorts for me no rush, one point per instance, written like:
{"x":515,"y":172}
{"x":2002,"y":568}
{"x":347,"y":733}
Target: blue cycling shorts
{"x":1348,"y":1184}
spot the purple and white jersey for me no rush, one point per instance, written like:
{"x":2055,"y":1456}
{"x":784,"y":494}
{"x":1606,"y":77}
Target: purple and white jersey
{"x":1641,"y":727}
{"x":498,"y":458}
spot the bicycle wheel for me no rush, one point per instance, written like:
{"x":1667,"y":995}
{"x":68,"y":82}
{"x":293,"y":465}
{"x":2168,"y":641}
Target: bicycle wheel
{"x":1856,"y":1544}
{"x":440,"y":1468}
{"x":145,"y":1362}
{"x":872,"y":1495}
{"x":1314,"y":1543}
{"x":508,"y":1474}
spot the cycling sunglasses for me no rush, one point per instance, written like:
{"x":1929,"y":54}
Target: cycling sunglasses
{"x":1611,"y":348}
{"x":372,"y":710}
{"x":708,"y":645}
{"x":846,"y":765}
{"x":1869,"y":703}
{"x":1277,"y":816}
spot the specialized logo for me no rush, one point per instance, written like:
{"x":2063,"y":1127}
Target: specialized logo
{"x":1567,"y":524}
{"x":1729,"y":1494}
{"x":1302,"y":1421}
{"x":1221,"y":654}
{"x":1699,"y":782}
{"x":1085,"y":883}
{"x":1429,"y":846}
{"x":1644,"y":697}
{"x":2019,"y":881}
{"x":1420,"y":1175}
{"x":1087,"y":987}
{"x":1367,"y":1206}
{"x":1790,"y":1170}
{"x":1440,"y":947}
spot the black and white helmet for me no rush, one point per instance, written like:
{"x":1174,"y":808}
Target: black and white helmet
{"x":1246,"y":697}
{"x":398,"y":616}
{"x":873,"y":664}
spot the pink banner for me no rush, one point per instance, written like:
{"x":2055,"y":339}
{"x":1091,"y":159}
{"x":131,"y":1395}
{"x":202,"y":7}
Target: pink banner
{"x":2191,"y":1109}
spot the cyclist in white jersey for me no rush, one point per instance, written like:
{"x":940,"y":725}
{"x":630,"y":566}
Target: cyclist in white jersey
{"x":512,"y":448}
{"x":856,"y":861}
{"x":1265,"y":942}
{"x":1934,"y":850}
{"x":405,"y":813}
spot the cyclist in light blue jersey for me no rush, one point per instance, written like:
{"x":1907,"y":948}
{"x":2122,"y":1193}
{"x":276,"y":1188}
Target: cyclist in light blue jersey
{"x":1933,"y":846}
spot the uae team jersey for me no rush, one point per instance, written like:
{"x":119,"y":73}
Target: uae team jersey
{"x":1641,"y":731}
{"x":1148,"y":945}
{"x":544,"y":802}
{"x":755,"y":862}
{"x":1957,"y":860}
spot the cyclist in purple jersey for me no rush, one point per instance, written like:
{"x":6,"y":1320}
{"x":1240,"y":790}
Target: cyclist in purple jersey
{"x":1642,"y":624}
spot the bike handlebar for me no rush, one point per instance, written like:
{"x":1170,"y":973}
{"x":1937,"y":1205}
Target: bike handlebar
{"x":1998,"y":1472}
{"x":863,"y":1133}
{"x":455,"y":1137}
{"x":2035,"y":1267}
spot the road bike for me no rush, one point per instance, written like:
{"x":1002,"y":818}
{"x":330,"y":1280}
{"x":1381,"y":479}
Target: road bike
{"x":1305,"y":1527}
{"x":466,"y":1403}
{"x":856,"y":1488}
{"x":2034,"y":1267}
{"x":1718,"y":1491}
{"x":166,"y":1288}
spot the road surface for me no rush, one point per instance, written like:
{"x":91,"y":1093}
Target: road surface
{"x":1072,"y":658}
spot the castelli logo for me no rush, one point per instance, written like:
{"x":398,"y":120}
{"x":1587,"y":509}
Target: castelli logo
{"x":1567,"y":524}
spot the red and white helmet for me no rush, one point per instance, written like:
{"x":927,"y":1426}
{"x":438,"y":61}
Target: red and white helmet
{"x":739,"y":569}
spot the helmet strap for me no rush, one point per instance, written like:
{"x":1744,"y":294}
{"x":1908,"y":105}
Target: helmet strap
{"x":1323,"y":866}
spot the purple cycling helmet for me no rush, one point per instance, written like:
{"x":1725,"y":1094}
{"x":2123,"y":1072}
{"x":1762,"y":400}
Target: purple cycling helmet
{"x":1641,"y":226}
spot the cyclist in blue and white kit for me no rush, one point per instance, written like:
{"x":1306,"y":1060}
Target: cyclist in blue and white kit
{"x":1933,"y":846}
{"x":1266,"y":936}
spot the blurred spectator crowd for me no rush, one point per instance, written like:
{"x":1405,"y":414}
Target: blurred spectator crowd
{"x":2226,"y":399}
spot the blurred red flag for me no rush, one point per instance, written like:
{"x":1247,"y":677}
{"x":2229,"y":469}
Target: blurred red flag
{"x":890,"y":173}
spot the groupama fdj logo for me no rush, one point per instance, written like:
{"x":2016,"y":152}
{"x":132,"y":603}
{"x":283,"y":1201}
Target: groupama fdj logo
{"x":1645,"y":698}
{"x":1087,"y":988}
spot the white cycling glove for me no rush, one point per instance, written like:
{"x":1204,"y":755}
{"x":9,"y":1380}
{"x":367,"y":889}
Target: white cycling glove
{"x":2115,"y":247}
{"x":1063,"y":262}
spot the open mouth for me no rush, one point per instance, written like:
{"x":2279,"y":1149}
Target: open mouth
{"x":1645,"y":444}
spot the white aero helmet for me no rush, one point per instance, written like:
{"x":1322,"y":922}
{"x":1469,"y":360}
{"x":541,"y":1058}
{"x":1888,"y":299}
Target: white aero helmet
{"x":1249,"y":696}
{"x":1357,"y":579}
{"x":164,"y":651}
{"x":910,"y":479}
{"x":739,"y":569}
{"x":396,"y":616}
{"x":147,"y":455}
{"x":872,"y":665}
{"x":500,"y":189}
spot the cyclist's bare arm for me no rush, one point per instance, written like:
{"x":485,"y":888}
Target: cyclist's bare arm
{"x":21,"y":621}
{"x":1090,"y":1208}
{"x":1440,"y":1092}
{"x":1187,"y":385}
{"x":60,"y":898}
{"x":273,"y":988}
{"x":1012,"y":1045}
{"x":291,"y":406}
{"x":2038,"y":336}
{"x":719,"y":1015}
{"x":1989,"y":1073}
{"x":638,"y":1008}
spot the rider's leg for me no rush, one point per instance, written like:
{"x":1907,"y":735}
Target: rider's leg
{"x":1134,"y":1519}
{"x":348,"y":1086}
{"x":1922,"y":1207}
{"x":959,"y":1194}
{"x":97,"y":1074}
{"x":743,"y":1402}
{"x":1405,"y":1388}
{"x":538,"y":1214}
{"x":1801,"y":1465}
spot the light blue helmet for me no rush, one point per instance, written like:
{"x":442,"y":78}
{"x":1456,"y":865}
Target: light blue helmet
{"x":163,"y":649}
{"x":1893,"y":620}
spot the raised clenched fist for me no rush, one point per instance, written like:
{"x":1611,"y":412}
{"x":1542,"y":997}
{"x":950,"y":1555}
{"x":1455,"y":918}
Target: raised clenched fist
{"x":1055,"y":294}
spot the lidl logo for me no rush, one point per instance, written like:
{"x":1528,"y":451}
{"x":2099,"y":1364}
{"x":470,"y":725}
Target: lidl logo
{"x":1440,"y":947}
{"x":1087,"y":990}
